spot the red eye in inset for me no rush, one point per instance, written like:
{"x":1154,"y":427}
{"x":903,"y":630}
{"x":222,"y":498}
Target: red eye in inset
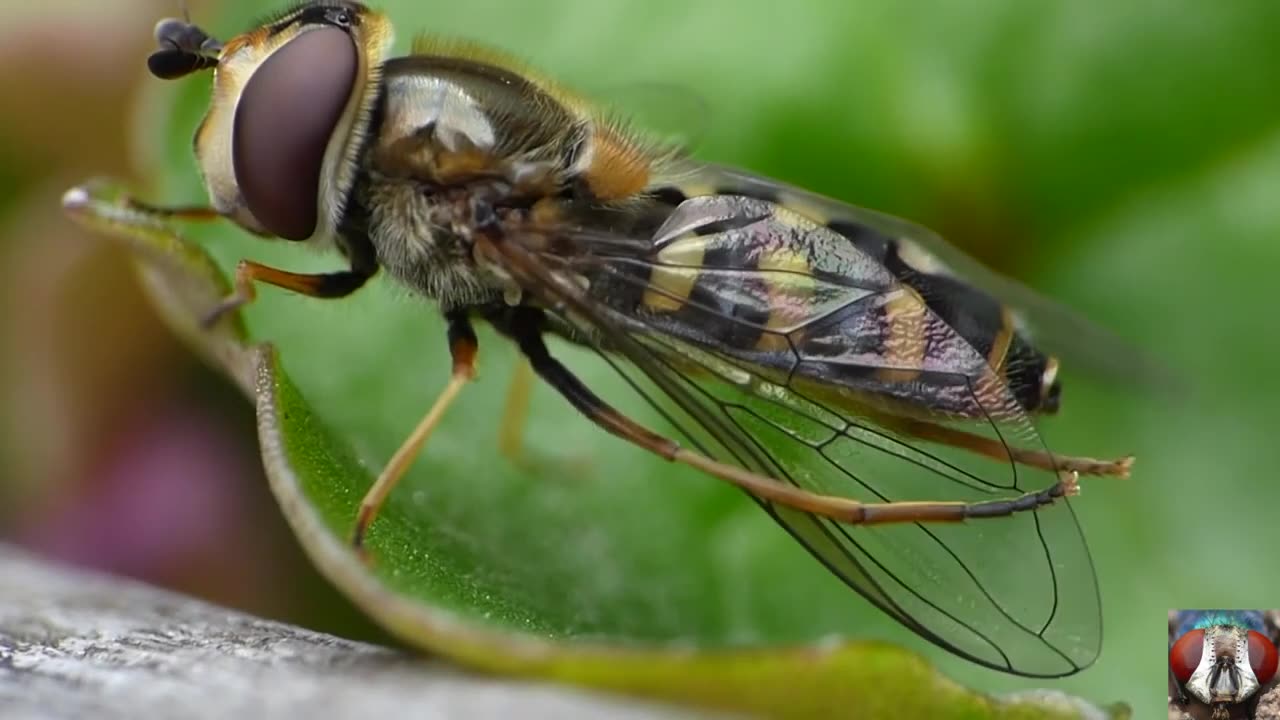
{"x":1262,"y":656}
{"x":1184,"y":656}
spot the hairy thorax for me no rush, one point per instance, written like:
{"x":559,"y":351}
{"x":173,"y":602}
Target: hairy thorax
{"x":422,"y":240}
{"x":438,"y":152}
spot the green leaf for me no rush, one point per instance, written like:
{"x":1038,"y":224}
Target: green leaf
{"x":182,"y":279}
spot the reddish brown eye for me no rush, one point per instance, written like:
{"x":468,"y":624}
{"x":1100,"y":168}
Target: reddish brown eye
{"x":1184,"y":656}
{"x":1262,"y":656}
{"x":286,"y":115}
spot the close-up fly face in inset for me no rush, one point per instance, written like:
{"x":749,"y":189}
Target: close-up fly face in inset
{"x":1221,"y":661}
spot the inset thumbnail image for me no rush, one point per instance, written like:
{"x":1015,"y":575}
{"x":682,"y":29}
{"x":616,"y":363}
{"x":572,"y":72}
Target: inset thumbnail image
{"x":1222,"y":664}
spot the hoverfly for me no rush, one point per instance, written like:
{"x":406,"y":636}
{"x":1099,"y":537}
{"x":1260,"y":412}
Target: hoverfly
{"x":1221,"y":658}
{"x":823,"y":358}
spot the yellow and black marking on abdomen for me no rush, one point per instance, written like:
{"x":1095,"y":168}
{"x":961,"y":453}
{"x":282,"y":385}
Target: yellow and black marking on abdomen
{"x":716,"y":284}
{"x":980,"y":319}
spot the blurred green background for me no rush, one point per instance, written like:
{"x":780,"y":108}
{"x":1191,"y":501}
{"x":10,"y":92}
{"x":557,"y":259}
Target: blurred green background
{"x":1123,"y":158}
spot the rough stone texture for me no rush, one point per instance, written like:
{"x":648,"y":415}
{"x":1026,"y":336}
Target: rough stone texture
{"x":78,"y":645}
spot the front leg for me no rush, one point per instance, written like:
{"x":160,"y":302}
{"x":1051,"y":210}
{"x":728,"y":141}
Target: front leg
{"x":323,"y":285}
{"x":108,"y":207}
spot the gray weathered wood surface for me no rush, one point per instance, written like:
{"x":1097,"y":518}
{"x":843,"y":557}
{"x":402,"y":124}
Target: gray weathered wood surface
{"x":79,"y":645}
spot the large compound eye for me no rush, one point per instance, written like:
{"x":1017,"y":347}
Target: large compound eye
{"x":286,"y":115}
{"x":1184,"y":656}
{"x":1262,"y":656}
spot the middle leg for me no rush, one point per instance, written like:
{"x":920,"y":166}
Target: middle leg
{"x":462,"y":347}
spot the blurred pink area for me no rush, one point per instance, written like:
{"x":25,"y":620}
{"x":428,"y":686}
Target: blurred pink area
{"x":155,"y":496}
{"x":164,"y":501}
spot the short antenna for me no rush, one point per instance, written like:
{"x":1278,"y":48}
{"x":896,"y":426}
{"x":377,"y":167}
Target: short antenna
{"x":183,"y":47}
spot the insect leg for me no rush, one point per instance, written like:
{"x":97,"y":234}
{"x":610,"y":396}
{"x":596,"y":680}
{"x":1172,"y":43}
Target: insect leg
{"x":515,"y":412}
{"x":323,"y":285}
{"x":463,"y":347}
{"x":190,"y":213}
{"x":528,"y":334}
{"x":997,"y":450}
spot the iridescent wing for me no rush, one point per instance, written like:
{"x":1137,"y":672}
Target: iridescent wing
{"x":773,"y":343}
{"x":1056,"y":328}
